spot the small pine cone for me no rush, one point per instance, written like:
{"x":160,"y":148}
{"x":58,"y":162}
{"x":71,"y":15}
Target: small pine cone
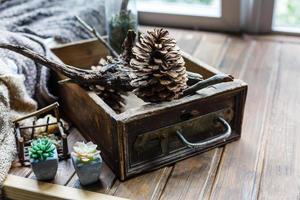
{"x":161,"y":74}
{"x":110,"y":96}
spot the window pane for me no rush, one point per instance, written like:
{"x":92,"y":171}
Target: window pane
{"x":287,"y":15}
{"x":210,"y":8}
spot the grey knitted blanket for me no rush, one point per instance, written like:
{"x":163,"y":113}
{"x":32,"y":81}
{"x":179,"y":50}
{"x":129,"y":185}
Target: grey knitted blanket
{"x":52,"y":18}
{"x":22,"y":82}
{"x":35,"y":75}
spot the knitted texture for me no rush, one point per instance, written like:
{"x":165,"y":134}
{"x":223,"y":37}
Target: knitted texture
{"x":20,"y":81}
{"x":52,"y":19}
{"x":36,"y":76}
{"x":14,"y":102}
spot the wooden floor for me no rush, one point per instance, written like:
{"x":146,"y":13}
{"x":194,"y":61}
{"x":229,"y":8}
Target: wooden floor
{"x":264,"y":164}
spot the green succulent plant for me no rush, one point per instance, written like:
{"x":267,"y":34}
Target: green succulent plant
{"x":41,"y":149}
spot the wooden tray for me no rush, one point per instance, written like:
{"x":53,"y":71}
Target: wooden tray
{"x":150,"y":136}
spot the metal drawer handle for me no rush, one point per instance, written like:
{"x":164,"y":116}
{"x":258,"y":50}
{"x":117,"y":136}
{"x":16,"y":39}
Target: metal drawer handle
{"x":225,"y":135}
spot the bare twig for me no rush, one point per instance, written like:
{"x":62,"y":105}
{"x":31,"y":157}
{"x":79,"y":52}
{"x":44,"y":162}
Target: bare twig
{"x":93,"y":31}
{"x":219,"y":78}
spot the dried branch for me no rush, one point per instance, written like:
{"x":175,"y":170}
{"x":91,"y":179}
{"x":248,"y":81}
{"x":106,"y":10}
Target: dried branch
{"x":115,"y":75}
{"x":93,"y":31}
{"x":219,"y":78}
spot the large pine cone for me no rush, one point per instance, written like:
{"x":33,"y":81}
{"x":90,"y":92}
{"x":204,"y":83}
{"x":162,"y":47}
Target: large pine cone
{"x":161,"y":75}
{"x":110,"y":96}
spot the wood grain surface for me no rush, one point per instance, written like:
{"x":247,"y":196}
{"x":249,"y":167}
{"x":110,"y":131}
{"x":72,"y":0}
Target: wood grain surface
{"x":264,"y":164}
{"x":16,"y":187}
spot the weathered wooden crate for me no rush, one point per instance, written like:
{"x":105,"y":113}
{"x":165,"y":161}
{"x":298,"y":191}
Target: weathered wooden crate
{"x":150,"y":136}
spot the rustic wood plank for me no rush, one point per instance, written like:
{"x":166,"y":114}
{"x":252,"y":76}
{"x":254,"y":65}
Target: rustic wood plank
{"x":236,"y":55}
{"x":189,"y":40}
{"x":212,"y":48}
{"x":192,"y":178}
{"x":147,"y":186}
{"x":16,"y":187}
{"x":281,"y":169}
{"x":241,"y":163}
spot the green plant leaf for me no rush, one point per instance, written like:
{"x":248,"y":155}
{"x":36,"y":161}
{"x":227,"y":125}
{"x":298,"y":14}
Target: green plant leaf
{"x":41,"y":149}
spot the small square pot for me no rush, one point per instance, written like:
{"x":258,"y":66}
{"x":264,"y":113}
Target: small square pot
{"x":88,"y":173}
{"x":45,"y":169}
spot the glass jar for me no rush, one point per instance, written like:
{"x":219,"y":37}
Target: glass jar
{"x":121,"y":15}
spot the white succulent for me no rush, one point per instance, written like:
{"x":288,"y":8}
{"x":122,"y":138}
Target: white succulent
{"x":85,"y":152}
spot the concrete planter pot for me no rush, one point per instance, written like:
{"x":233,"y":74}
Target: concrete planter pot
{"x":45,"y":169}
{"x":88,"y":173}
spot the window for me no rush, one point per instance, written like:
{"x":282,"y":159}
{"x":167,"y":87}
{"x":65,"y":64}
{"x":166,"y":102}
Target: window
{"x":211,"y":8}
{"x":255,"y":16}
{"x":286,"y":16}
{"x":196,"y":14}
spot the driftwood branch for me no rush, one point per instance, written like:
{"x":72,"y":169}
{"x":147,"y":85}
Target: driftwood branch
{"x":117,"y":75}
{"x":219,"y":78}
{"x":112,"y":75}
{"x":93,"y":31}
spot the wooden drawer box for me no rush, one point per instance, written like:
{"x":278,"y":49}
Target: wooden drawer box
{"x":150,"y":136}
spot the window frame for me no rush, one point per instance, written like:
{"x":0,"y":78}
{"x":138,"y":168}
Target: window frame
{"x":228,"y":21}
